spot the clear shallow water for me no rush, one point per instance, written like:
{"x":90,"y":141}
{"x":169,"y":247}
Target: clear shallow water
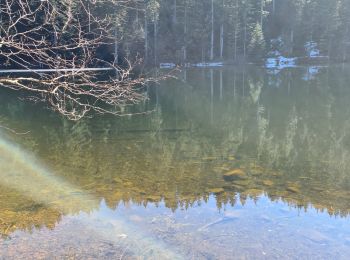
{"x":233,"y":163}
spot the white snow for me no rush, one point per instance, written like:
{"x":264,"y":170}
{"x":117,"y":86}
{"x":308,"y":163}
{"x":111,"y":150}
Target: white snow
{"x":167,"y":65}
{"x":314,"y":53}
{"x":188,"y":65}
{"x":208,"y":64}
{"x":311,"y":49}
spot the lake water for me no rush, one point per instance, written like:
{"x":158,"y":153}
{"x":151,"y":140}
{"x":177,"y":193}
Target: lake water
{"x":232,"y":163}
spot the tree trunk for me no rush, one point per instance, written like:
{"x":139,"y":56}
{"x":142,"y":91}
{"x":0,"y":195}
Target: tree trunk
{"x":137,"y":18}
{"x":212,"y":31}
{"x":291,"y":41}
{"x":89,"y":18}
{"x":222,"y":33}
{"x":222,"y":42}
{"x":235,"y":43}
{"x":175,"y":12}
{"x":185,"y":35}
{"x":203,"y":54}
{"x":245,"y":40}
{"x":345,"y":50}
{"x":146,"y":39}
{"x":235,"y":32}
{"x":155,"y":42}
{"x":115,"y":47}
{"x":261,"y":13}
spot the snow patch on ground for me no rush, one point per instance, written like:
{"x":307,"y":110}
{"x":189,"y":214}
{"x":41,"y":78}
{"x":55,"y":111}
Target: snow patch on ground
{"x":208,"y":64}
{"x":167,"y":65}
{"x":195,"y":65}
{"x":311,"y":49}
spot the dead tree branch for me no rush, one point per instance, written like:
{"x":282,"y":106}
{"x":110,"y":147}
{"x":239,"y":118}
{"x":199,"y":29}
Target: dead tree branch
{"x":65,"y":35}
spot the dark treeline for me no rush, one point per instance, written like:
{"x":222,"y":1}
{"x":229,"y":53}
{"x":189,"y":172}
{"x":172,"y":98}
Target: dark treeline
{"x":181,"y":31}
{"x":202,"y":30}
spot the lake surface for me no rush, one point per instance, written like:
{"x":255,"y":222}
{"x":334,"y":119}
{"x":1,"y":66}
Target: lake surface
{"x":233,"y":163}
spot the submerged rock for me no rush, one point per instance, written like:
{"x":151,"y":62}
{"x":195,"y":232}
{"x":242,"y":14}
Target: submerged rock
{"x":209,"y":159}
{"x":153,"y":198}
{"x":254,"y":192}
{"x":216,"y":190}
{"x":220,"y":169}
{"x":235,"y":174}
{"x":242,"y":183}
{"x":317,"y":187}
{"x":268,"y":183}
{"x":293,"y":188}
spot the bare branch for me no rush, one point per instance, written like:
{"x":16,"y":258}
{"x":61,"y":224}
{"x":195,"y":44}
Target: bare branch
{"x":65,"y":35}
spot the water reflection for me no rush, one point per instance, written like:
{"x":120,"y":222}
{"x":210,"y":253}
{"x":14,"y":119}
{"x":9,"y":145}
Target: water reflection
{"x":224,"y":138}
